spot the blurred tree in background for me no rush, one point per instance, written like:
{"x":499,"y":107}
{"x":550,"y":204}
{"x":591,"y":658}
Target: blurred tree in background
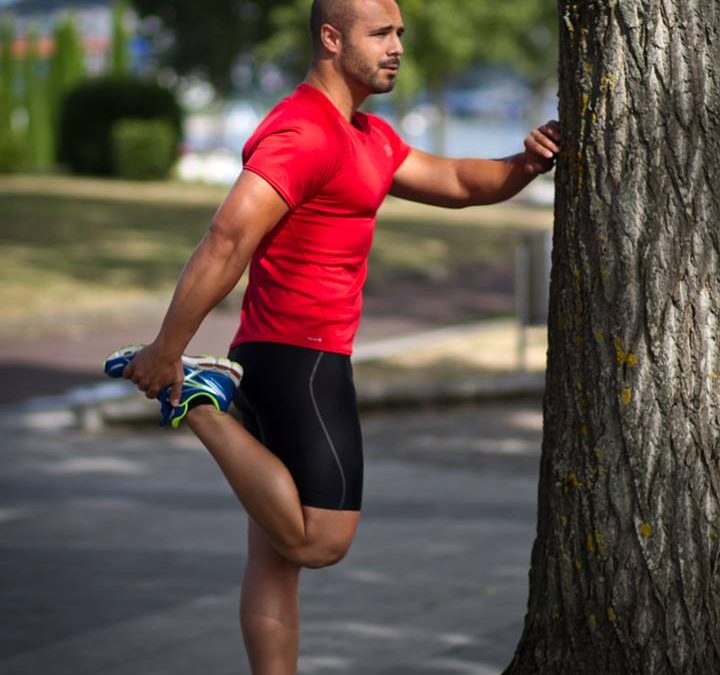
{"x":7,"y":77}
{"x":120,"y":51}
{"x":67,"y":67}
{"x":39,"y":130}
{"x":13,"y":146}
{"x":209,"y":37}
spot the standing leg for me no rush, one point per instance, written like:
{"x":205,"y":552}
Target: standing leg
{"x":302,"y":404}
{"x":269,"y":608}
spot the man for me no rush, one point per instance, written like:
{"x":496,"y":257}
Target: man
{"x":302,"y":214}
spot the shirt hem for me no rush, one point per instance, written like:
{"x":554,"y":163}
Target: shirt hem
{"x":294,"y":342}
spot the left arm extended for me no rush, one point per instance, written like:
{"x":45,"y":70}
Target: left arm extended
{"x":456,"y":183}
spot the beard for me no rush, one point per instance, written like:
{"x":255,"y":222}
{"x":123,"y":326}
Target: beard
{"x":367,"y":74}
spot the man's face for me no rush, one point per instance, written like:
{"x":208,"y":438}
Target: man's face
{"x":371,"y":48}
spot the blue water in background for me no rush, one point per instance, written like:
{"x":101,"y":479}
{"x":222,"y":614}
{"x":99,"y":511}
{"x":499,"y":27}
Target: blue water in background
{"x":489,"y":138}
{"x":464,"y":137}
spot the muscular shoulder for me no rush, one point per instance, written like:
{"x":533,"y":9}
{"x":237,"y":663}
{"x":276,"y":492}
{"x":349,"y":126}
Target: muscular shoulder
{"x":304,"y":124}
{"x":296,"y":149}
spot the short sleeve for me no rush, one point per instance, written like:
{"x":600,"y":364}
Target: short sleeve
{"x":399,"y":148}
{"x":296,"y":160}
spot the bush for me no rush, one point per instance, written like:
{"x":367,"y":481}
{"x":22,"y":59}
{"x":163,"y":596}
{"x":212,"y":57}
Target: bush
{"x":143,"y":149}
{"x":90,"y":110}
{"x":14,"y":153}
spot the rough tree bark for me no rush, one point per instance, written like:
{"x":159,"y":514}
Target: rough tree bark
{"x":625,"y":573}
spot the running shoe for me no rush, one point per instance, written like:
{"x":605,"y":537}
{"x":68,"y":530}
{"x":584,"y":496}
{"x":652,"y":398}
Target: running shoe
{"x":214,"y":379}
{"x":115,"y":363}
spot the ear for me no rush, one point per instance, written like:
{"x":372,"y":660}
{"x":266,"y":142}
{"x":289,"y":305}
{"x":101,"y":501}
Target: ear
{"x":330,"y":38}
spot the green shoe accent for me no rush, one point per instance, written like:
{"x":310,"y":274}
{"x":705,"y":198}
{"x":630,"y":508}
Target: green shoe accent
{"x":185,"y":407}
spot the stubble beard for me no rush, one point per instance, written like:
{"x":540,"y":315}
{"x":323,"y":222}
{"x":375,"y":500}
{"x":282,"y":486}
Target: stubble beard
{"x":364,"y":73}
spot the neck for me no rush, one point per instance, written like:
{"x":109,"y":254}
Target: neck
{"x":345,"y":98}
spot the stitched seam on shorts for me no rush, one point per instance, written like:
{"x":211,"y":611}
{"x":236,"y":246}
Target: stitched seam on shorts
{"x":324,"y":428}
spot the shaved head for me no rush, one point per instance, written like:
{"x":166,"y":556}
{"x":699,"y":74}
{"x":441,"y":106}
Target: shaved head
{"x":338,"y":13}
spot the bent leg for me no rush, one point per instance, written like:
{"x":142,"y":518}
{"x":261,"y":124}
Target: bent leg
{"x":259,"y":479}
{"x":307,"y":536}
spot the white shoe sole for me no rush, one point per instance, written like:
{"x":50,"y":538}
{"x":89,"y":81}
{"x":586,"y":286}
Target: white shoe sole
{"x":221,"y":365}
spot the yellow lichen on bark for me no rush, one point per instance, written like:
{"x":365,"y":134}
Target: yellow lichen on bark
{"x":620,"y":353}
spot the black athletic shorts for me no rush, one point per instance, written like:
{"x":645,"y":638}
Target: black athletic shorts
{"x":300,"y":403}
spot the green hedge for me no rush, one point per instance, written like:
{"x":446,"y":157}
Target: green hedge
{"x":91,"y":110}
{"x":14,"y":153}
{"x":143,"y":149}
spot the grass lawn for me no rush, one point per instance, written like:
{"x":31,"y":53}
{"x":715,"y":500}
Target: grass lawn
{"x":72,"y":246}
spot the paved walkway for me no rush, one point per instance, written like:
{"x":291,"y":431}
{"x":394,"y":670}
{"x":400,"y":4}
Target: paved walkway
{"x":122,"y":553}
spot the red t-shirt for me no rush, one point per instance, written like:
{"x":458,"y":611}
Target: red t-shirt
{"x":307,"y":274}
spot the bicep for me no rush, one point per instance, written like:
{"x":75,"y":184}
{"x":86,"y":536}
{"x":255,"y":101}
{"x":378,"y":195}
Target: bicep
{"x":428,"y":179}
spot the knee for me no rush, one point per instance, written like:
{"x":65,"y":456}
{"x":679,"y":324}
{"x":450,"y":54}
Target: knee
{"x":320,"y":555}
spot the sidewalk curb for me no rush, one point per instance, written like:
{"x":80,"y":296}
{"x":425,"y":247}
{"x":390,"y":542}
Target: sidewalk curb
{"x":87,"y":410}
{"x":510,"y":385}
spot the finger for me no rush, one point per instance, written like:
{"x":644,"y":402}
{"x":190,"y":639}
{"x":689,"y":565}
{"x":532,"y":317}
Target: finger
{"x":545,"y":141}
{"x":553,"y":126}
{"x":534,"y":148}
{"x":175,"y":393}
{"x":128,"y":371}
{"x":545,"y":150}
{"x":153,"y":391}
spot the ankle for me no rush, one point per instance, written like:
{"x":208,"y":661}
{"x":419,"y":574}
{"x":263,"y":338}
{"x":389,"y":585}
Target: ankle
{"x":201,"y":407}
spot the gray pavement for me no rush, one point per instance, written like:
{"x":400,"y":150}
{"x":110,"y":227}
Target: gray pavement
{"x":122,"y":553}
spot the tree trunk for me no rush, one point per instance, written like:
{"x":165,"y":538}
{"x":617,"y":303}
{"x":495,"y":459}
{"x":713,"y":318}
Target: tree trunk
{"x":625,"y":573}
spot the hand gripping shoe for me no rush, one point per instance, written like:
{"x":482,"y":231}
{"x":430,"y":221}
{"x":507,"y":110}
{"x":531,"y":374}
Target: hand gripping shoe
{"x":208,"y":377}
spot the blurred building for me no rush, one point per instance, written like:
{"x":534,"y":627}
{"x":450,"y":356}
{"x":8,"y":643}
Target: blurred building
{"x":93,"y":20}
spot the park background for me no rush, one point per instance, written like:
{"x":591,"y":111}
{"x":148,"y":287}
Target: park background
{"x":97,"y":249}
{"x":89,"y":256}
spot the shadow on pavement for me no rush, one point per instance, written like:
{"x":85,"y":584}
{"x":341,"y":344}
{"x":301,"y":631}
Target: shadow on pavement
{"x":28,"y":380}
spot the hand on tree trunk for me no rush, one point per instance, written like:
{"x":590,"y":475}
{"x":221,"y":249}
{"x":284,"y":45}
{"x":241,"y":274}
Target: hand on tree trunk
{"x":542,"y":147}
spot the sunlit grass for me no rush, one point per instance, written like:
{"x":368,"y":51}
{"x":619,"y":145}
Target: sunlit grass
{"x":73,"y":245}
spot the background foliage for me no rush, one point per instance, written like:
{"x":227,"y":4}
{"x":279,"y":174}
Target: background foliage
{"x":208,"y":37}
{"x":91,"y":110}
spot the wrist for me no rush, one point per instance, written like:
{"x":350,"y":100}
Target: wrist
{"x":166,"y":349}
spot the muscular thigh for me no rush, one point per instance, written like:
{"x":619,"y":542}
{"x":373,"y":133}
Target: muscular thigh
{"x":301,"y":404}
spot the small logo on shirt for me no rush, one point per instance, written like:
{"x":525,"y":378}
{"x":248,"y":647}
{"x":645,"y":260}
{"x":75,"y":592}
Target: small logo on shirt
{"x":388,"y":150}
{"x":314,"y":339}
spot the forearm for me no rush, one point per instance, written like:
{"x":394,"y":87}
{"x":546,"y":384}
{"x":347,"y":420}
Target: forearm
{"x":488,"y":181}
{"x":210,"y":274}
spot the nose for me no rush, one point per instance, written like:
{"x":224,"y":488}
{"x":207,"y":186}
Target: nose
{"x":396,"y":48}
